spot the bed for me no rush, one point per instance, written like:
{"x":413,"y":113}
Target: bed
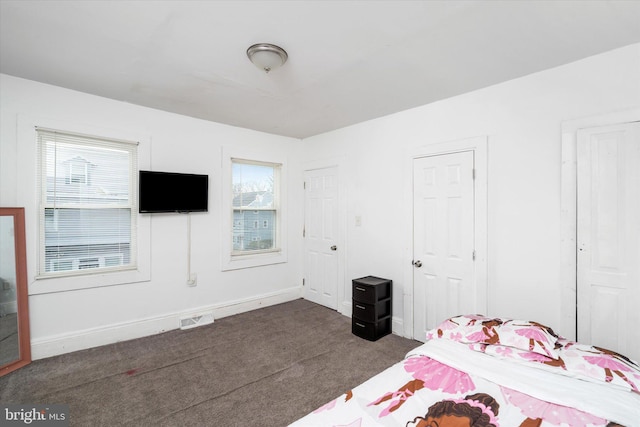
{"x":476,"y":371}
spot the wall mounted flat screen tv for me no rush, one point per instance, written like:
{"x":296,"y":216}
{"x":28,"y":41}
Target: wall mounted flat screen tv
{"x":172,"y":192}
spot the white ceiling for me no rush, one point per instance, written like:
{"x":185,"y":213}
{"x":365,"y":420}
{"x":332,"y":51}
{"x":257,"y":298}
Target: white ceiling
{"x":349,"y":61}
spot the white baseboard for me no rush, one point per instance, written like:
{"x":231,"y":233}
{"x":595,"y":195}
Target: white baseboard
{"x":397,"y":326}
{"x":347,"y":308}
{"x":109,"y":334}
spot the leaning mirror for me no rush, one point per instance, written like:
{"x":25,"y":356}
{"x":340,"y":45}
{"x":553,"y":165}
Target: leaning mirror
{"x":15,"y":345}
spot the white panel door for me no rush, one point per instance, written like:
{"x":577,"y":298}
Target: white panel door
{"x":321,"y":236}
{"x":608,"y":236}
{"x":443,"y":280}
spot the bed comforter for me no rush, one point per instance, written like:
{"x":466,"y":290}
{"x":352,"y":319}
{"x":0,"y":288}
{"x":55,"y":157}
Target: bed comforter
{"x":474,"y":373}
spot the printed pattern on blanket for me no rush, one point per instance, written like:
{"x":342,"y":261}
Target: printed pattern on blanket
{"x":477,"y":371}
{"x":527,"y":341}
{"x":420,"y":391}
{"x":518,"y":334}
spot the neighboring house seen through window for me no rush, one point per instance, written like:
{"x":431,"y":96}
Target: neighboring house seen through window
{"x":255,"y":190}
{"x":87,"y":187}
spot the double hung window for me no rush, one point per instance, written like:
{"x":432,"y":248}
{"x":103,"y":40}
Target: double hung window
{"x":255,"y":192}
{"x":87,"y":187}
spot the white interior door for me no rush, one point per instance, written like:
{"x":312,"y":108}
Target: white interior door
{"x":321,"y":236}
{"x":608,"y":237}
{"x":444,"y":283}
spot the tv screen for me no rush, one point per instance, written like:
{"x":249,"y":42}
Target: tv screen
{"x":172,"y":192}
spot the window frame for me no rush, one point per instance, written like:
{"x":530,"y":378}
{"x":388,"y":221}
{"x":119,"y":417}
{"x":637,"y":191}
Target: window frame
{"x":232,"y":260}
{"x":27,"y":165}
{"x":276,"y":167}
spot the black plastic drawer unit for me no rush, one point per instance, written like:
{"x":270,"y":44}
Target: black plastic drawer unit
{"x":371,"y":314}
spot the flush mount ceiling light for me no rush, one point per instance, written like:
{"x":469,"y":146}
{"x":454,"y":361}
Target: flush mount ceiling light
{"x":267,"y":56}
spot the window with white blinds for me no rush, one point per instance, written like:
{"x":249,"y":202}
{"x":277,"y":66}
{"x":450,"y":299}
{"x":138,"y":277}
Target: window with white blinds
{"x":88,"y":203}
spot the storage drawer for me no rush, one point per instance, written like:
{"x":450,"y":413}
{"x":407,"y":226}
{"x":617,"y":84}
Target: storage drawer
{"x":371,"y":312}
{"x":371,"y":289}
{"x":371,"y":330}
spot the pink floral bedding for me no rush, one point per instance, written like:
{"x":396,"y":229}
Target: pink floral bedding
{"x":454,"y":380}
{"x":537,"y":345}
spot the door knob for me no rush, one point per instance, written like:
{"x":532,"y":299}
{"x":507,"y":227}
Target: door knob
{"x":334,"y":248}
{"x":417,"y":264}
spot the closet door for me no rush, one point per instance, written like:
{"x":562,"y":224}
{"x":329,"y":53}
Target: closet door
{"x":321,"y":237}
{"x":444,"y":282}
{"x":608,"y":237}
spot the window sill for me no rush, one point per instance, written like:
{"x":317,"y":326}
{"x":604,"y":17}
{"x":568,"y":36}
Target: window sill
{"x":52,"y":284}
{"x":237,"y":262}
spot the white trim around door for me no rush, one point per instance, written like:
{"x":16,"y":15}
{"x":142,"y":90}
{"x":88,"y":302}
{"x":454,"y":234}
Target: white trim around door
{"x":479,"y":146}
{"x":568,"y":211}
{"x":343,"y":299}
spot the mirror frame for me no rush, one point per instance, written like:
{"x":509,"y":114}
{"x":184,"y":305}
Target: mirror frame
{"x":22,"y":293}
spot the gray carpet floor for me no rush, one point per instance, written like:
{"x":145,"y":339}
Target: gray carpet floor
{"x":266,"y":367}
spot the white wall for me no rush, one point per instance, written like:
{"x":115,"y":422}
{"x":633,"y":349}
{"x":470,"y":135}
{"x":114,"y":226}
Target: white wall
{"x":70,"y":320}
{"x":522,"y":121}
